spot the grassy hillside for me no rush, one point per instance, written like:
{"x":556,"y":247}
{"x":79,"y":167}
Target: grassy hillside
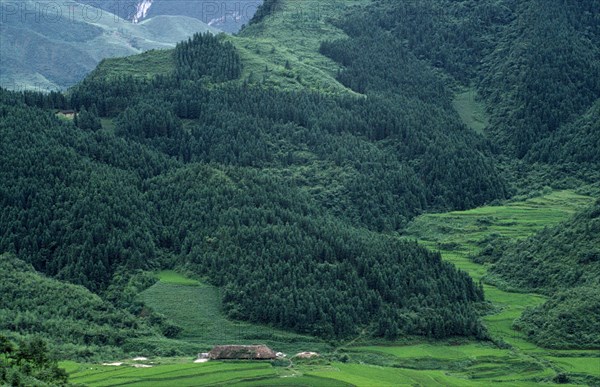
{"x":76,"y":322}
{"x":453,"y":362}
{"x":62,"y":43}
{"x":146,"y":65}
{"x":198,"y":309}
{"x":282,"y":51}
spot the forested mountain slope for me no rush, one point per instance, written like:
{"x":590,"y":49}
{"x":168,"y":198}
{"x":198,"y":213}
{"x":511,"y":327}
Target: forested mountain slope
{"x":77,"y":322}
{"x":564,"y":262}
{"x":269,"y":193}
{"x":258,"y":168}
{"x":551,"y":55}
{"x":536,"y":63}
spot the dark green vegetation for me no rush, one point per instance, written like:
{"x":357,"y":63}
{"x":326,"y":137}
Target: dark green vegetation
{"x":77,"y":323}
{"x":576,"y":142}
{"x":287,"y":252}
{"x":563,"y":256}
{"x":361,"y":361}
{"x":32,"y":304}
{"x":535,"y":63}
{"x":564,"y":262}
{"x":28,"y":364}
{"x":569,"y":319}
{"x":282,"y":168}
{"x":267,"y":8}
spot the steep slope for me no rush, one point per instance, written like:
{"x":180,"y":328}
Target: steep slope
{"x":563,"y":262}
{"x":276,"y":196}
{"x":54,"y":46}
{"x":576,"y":142}
{"x":543,"y":72}
{"x":66,"y":226}
{"x":226,"y":15}
{"x":76,"y":322}
{"x":556,"y":258}
{"x":535,"y":64}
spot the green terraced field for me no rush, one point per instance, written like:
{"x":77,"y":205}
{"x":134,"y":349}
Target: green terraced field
{"x":370,"y":375}
{"x":580,"y":365}
{"x":205,"y":374}
{"x":456,"y":236}
{"x":196,"y":308}
{"x":455,"y":352}
{"x":186,"y":374}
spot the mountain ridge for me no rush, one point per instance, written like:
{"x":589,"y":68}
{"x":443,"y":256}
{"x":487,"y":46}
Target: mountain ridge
{"x":57,"y":53}
{"x":283,"y":165}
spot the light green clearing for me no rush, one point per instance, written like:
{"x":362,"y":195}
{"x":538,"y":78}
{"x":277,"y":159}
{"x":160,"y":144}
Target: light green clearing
{"x":369,"y":376}
{"x":471,"y":110}
{"x":146,"y":65}
{"x":204,"y":374}
{"x":108,"y":124}
{"x":294,"y":36}
{"x":455,"y":235}
{"x":197,"y":308}
{"x":174,"y":278}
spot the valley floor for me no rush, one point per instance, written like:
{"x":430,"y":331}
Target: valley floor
{"x":449,"y":363}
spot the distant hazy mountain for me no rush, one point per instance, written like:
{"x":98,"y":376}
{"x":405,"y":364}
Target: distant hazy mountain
{"x":53,"y":45}
{"x":227,"y":15}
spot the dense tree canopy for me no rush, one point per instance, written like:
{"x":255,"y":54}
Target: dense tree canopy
{"x":536,"y":63}
{"x":289,"y":199}
{"x":276,"y":196}
{"x":564,"y":263}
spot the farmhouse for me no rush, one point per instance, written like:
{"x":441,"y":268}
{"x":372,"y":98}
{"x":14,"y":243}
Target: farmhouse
{"x":66,"y":113}
{"x":248,"y":352}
